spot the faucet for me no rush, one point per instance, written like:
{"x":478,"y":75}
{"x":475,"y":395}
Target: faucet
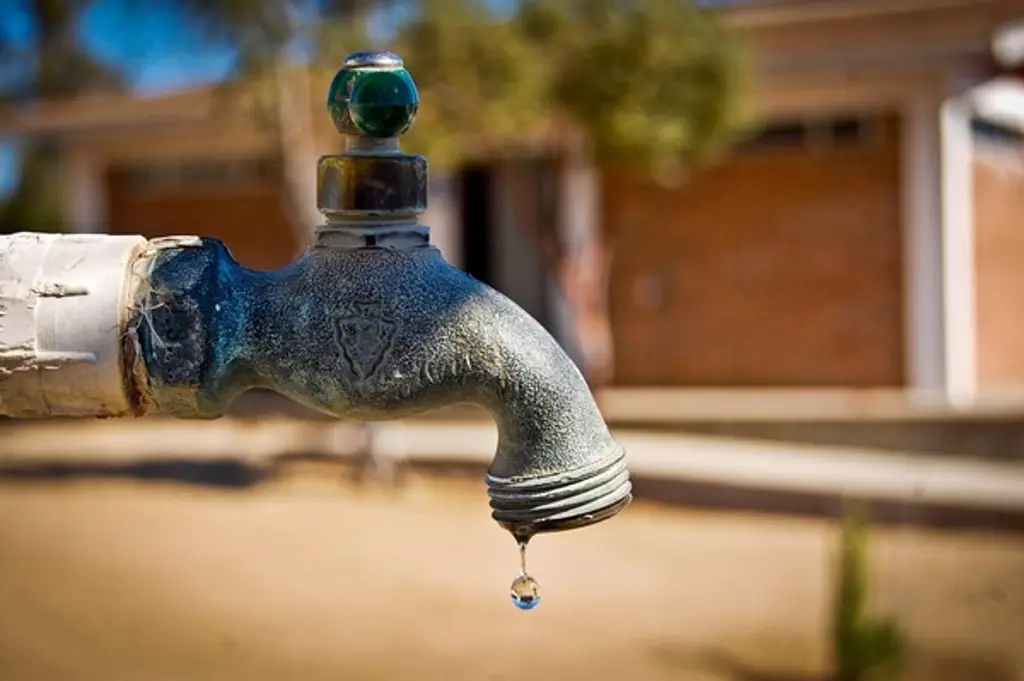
{"x":369,"y":323}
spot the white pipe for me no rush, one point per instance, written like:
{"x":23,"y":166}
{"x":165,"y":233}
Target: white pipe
{"x":63,"y":309}
{"x":958,"y":267}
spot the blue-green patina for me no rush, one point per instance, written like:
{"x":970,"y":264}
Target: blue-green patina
{"x":372,"y":323}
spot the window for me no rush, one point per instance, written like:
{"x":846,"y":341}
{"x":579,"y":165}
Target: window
{"x":998,"y":145}
{"x":776,"y":136}
{"x":849,"y":130}
{"x":994,"y":133}
{"x":842,"y":131}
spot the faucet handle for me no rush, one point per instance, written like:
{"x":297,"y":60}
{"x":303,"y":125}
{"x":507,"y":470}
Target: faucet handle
{"x":372,"y":100}
{"x":373,"y":95}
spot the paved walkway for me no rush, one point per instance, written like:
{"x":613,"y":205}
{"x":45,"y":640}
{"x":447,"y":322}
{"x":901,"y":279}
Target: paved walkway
{"x":761,"y":465}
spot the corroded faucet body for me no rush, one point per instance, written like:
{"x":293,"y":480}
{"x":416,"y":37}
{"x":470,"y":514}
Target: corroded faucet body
{"x":378,"y":333}
{"x":372,"y":323}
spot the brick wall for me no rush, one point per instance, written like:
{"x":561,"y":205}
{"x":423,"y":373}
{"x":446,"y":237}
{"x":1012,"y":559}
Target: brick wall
{"x":248,"y":216}
{"x":775,"y":268}
{"x":999,"y":256}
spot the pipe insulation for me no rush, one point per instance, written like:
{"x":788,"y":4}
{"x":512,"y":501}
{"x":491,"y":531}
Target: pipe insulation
{"x":63,"y":312}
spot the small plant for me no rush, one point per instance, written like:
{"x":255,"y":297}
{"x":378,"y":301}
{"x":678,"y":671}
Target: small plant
{"x":863,"y":646}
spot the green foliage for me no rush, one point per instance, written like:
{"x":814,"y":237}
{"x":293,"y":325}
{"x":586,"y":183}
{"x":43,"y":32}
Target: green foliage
{"x":646,"y":79}
{"x":342,"y":28}
{"x":262,"y":31}
{"x":54,"y":63}
{"x":479,"y":80}
{"x":257,"y":29}
{"x":33,"y":206}
{"x":862,"y":645}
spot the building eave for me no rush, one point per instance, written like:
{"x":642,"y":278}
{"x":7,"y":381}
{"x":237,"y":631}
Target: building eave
{"x":962,"y":34}
{"x":98,"y":112}
{"x":795,"y":12}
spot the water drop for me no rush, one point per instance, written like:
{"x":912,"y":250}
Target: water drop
{"x":525,"y":594}
{"x":524,"y":590}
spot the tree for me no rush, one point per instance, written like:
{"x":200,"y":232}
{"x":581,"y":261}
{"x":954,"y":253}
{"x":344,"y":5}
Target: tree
{"x":656,"y":82}
{"x":59,"y":67}
{"x":277,"y":41}
{"x":648,"y":80}
{"x":480,"y":81}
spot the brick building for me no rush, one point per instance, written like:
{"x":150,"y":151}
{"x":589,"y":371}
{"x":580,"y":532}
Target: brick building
{"x":872,"y":236}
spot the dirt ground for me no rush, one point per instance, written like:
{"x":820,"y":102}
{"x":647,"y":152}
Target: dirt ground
{"x":311,"y":578}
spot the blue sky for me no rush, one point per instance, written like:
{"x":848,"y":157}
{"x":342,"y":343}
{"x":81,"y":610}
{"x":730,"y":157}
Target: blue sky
{"x":157,"y":51}
{"x":8,"y":168}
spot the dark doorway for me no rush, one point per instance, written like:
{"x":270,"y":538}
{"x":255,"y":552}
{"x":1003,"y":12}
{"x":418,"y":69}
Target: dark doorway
{"x":477,"y":228}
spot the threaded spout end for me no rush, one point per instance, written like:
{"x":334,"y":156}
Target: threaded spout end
{"x":562,"y":501}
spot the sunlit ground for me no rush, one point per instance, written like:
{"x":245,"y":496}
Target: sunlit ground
{"x":309,"y":577}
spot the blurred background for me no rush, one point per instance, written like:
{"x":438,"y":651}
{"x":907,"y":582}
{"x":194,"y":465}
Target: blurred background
{"x":783,"y":240}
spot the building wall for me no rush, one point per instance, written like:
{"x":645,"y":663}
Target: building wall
{"x":241,"y":204}
{"x":781,"y":266}
{"x":999,"y":258}
{"x":246,"y":211}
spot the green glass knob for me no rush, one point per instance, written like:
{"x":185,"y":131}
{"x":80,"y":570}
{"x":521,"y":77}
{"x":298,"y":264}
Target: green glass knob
{"x":372,"y":95}
{"x":383,"y":103}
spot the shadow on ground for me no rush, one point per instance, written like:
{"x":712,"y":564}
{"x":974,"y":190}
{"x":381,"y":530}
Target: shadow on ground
{"x":233,"y":473}
{"x":219,"y":473}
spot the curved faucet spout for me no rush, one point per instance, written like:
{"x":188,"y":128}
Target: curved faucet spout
{"x":378,"y":333}
{"x":372,"y":323}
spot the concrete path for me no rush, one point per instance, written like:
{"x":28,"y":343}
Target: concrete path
{"x":751,"y":464}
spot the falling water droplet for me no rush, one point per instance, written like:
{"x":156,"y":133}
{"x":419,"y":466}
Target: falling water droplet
{"x":525,"y":594}
{"x":524,"y":590}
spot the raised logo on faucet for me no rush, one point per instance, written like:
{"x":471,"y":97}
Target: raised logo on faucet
{"x":364,"y":331}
